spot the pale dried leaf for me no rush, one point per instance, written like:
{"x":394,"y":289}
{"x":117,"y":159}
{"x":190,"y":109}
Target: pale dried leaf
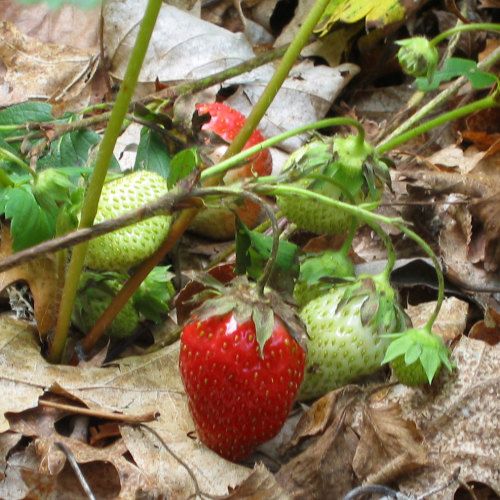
{"x":182,"y":46}
{"x":305,"y":96}
{"x":41,"y":278}
{"x":67,"y":25}
{"x":459,"y":420}
{"x":135,"y":385}
{"x":451,"y":320}
{"x":37,"y":70}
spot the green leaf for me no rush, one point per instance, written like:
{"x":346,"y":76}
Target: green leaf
{"x":182,"y":164}
{"x":413,"y":353}
{"x":152,"y":299}
{"x":29,"y":223}
{"x":397,"y":348}
{"x":263,"y":319}
{"x":20,"y":114}
{"x":71,"y":150}
{"x":453,"y":68}
{"x":327,"y":265}
{"x":152,"y":154}
{"x":253,"y":249}
{"x":430,"y":361}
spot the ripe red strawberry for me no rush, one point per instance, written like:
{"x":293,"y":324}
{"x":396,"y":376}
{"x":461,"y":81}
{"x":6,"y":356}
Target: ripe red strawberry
{"x":241,"y":369}
{"x":217,"y":222}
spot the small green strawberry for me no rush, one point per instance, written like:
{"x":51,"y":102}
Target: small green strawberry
{"x":128,"y":247}
{"x":343,"y":170}
{"x":319,"y":272}
{"x":416,"y":356}
{"x":150,"y":301}
{"x":94,"y":295}
{"x":345,"y":328}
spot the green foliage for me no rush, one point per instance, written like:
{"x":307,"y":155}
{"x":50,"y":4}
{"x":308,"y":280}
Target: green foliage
{"x":56,"y":4}
{"x":453,"y":68}
{"x":183,"y":163}
{"x":152,"y":154}
{"x":253,"y":250}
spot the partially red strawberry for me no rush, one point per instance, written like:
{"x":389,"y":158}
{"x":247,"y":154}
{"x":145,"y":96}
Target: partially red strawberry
{"x":241,"y":369}
{"x":217,"y":222}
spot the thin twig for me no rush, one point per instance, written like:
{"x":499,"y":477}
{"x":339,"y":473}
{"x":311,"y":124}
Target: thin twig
{"x":76,"y":469}
{"x":105,"y":415}
{"x":164,"y":205}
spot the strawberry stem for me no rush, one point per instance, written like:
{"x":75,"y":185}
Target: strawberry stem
{"x":104,"y":156}
{"x":369,"y":218}
{"x":225,"y":165}
{"x":486,"y":102}
{"x":5,"y":180}
{"x":463,"y":28}
{"x":15,"y":159}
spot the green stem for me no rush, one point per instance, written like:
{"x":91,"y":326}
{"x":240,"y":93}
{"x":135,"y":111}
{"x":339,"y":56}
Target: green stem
{"x":370,"y":218}
{"x":272,"y":88}
{"x":232,"y":162}
{"x":391,"y":254}
{"x":462,"y":28}
{"x":15,"y":159}
{"x":346,"y":245}
{"x":487,"y":102}
{"x":5,"y":180}
{"x":103,"y":159}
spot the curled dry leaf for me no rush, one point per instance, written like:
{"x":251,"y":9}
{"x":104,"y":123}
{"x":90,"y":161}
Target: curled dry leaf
{"x":41,"y":278}
{"x":488,"y":329}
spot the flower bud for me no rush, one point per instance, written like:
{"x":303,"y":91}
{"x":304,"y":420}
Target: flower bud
{"x":417,"y":56}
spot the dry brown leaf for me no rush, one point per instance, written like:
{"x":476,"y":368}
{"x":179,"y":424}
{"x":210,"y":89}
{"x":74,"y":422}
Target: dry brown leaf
{"x":135,"y":385}
{"x":37,"y":70}
{"x":459,"y":420}
{"x":488,"y":329}
{"x":389,"y":446}
{"x":323,"y":469}
{"x":451,"y":319}
{"x":259,"y":485}
{"x":40,"y":276}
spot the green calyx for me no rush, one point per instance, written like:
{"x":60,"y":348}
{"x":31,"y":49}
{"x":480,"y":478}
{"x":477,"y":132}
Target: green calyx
{"x":421,"y":351}
{"x":417,"y":56}
{"x":352,"y":153}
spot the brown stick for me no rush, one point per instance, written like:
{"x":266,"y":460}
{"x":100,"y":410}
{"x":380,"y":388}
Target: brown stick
{"x":105,"y":415}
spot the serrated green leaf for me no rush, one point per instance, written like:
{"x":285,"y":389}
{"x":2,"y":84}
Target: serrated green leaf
{"x":152,"y":154}
{"x":397,"y":348}
{"x":413,"y":353}
{"x":182,"y":164}
{"x":431,"y":361}
{"x":72,"y":150}
{"x":263,"y":319}
{"x":29,"y":223}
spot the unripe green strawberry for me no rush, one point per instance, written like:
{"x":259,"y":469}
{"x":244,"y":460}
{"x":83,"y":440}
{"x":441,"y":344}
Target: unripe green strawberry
{"x":344,"y":170}
{"x":416,"y":356}
{"x":94,"y":296}
{"x":319,"y":272}
{"x":129,"y":246}
{"x":345,"y":328}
